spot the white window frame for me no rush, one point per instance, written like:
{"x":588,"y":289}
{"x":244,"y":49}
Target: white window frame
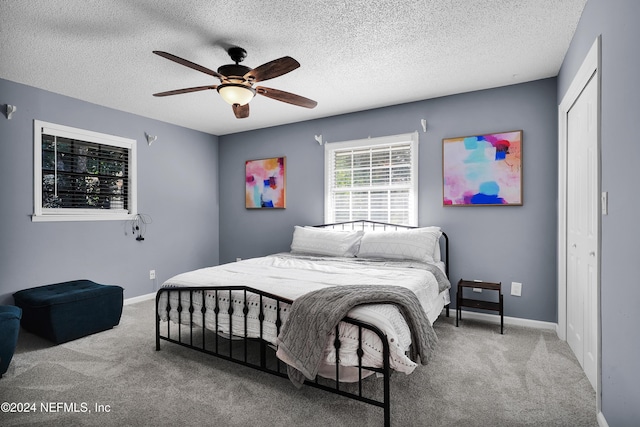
{"x":401,"y":139}
{"x":41,"y":214}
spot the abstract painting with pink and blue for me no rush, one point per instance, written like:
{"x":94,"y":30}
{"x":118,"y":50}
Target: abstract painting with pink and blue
{"x":482,"y":170}
{"x":265,"y":183}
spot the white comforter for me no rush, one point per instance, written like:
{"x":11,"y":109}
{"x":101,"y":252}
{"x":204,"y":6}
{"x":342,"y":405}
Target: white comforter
{"x":291,"y":276}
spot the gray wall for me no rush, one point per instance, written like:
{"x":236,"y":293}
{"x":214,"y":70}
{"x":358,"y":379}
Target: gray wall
{"x":617,"y":22}
{"x":491,"y":243}
{"x":177,"y":188}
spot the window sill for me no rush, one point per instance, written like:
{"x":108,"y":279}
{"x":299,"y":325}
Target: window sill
{"x":81,"y":217}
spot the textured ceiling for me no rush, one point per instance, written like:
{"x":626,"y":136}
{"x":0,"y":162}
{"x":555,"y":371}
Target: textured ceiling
{"x":355,"y":54}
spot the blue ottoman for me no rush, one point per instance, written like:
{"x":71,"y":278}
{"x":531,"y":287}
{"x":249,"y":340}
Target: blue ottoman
{"x":9,"y":328}
{"x":66,"y":311}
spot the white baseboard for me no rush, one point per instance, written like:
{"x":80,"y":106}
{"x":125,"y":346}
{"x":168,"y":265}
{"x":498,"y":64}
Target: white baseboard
{"x":601,"y":421}
{"x":139,"y":298}
{"x":514,"y":321}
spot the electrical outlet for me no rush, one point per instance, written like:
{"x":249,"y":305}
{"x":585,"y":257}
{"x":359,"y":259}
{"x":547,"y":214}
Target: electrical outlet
{"x":479,"y":290}
{"x":516,"y":289}
{"x":152,"y":274}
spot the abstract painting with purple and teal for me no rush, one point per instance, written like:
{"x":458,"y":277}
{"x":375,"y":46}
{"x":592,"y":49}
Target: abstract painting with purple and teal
{"x":265,"y":185}
{"x":482,"y":169}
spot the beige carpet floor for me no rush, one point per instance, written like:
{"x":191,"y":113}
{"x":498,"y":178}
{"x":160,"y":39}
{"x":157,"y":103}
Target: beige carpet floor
{"x":526,"y":377}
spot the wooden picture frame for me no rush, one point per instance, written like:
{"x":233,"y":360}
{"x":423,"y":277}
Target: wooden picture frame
{"x":482,"y":170}
{"x":265,"y":183}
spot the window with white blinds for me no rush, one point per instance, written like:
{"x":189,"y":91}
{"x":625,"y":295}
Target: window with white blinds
{"x":82,"y":175}
{"x":374,"y":179}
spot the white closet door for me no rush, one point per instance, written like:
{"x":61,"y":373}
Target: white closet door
{"x":582,"y":229}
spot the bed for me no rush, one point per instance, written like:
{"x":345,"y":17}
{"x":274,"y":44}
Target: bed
{"x":387,"y":283}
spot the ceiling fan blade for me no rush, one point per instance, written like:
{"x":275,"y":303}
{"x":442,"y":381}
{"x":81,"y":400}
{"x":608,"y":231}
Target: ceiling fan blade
{"x":185,"y":90}
{"x":290,"y":98}
{"x":272,"y":69}
{"x":241,"y":111}
{"x":188,"y":64}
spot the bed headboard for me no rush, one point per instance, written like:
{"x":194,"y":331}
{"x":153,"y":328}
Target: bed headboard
{"x":366,"y":225}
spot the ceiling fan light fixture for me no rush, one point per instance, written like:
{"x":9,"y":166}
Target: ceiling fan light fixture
{"x":237,"y":81}
{"x":235,"y":93}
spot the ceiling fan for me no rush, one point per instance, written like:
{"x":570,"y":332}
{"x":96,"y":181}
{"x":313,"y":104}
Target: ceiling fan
{"x":237,"y":81}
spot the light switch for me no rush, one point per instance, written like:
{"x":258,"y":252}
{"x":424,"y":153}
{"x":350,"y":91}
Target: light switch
{"x":516,"y":289}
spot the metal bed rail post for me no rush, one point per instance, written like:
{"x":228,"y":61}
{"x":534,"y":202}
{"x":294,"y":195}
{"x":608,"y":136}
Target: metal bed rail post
{"x":245,"y":312}
{"x":203,"y":310}
{"x":230,"y":312}
{"x":158,"y":321}
{"x":263,"y":344}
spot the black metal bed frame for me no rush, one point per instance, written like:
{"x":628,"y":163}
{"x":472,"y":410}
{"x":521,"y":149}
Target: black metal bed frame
{"x":196,"y":337}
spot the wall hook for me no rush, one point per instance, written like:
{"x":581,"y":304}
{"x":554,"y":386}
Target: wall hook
{"x":423,"y":122}
{"x":150,"y":138}
{"x":318,"y":138}
{"x":10,"y":109}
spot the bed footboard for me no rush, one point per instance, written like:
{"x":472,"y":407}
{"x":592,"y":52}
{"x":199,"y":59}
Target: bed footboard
{"x":231,"y":323}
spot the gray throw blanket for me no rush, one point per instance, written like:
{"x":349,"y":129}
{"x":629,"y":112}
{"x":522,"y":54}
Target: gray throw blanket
{"x":314,"y":315}
{"x":441,"y":278}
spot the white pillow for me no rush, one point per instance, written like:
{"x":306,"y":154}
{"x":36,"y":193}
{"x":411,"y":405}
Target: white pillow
{"x":310,"y":240}
{"x":437,"y":256}
{"x":418,"y":244}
